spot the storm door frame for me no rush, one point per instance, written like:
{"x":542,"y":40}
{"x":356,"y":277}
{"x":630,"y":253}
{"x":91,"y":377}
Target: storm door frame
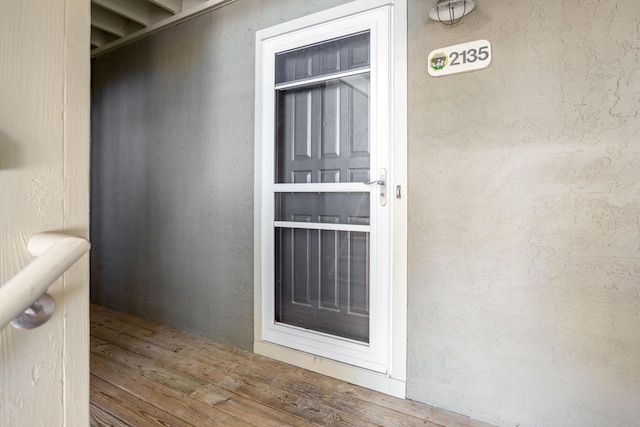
{"x":381,"y":364}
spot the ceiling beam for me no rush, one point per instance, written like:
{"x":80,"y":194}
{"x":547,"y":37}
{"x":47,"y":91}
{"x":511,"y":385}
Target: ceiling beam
{"x":169,"y":22}
{"x":108,"y":21}
{"x":134,"y":10}
{"x":173,"y":6}
{"x":96,"y":38}
{"x":100,"y":38}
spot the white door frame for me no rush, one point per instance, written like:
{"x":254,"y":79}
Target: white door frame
{"x":391,"y":376}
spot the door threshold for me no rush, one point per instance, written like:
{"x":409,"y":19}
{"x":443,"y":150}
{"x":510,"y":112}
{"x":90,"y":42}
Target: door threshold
{"x":342,"y":371}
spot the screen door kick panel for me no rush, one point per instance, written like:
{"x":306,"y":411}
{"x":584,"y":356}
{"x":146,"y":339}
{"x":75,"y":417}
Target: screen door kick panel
{"x":322,"y":223}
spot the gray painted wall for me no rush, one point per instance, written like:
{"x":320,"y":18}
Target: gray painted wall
{"x":172,"y":171}
{"x":524,"y":200}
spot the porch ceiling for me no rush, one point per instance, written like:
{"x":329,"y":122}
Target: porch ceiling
{"x":115,"y":23}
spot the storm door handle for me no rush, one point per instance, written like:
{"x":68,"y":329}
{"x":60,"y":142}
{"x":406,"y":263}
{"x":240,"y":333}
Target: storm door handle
{"x":382,"y":182}
{"x":379,"y":182}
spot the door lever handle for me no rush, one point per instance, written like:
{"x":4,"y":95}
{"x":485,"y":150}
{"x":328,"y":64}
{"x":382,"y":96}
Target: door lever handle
{"x":382,"y":182}
{"x":378,"y":181}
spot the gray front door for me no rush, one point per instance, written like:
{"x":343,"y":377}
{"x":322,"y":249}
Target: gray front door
{"x":322,"y":238}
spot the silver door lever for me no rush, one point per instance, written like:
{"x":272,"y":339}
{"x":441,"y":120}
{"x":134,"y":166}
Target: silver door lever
{"x":382,"y":182}
{"x":379,"y":182}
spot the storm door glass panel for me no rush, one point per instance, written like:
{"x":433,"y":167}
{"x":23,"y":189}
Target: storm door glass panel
{"x":322,"y":225}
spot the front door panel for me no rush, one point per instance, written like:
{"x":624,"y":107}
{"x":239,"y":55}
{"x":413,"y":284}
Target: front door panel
{"x":322,"y":137}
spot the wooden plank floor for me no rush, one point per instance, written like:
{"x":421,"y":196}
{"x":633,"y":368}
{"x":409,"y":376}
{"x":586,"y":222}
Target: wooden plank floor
{"x":144,"y":374}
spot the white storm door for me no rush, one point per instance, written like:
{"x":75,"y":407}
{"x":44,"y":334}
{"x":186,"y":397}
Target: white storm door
{"x":326,"y":256}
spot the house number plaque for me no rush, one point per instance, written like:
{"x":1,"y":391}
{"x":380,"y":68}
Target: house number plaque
{"x":459,"y":58}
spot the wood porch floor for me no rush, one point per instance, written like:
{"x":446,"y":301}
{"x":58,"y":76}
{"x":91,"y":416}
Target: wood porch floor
{"x":144,"y":374}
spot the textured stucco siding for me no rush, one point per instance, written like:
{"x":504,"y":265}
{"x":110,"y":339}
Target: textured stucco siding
{"x":524,"y":200}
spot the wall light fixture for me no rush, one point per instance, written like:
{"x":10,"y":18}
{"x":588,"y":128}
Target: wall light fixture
{"x":451,"y":11}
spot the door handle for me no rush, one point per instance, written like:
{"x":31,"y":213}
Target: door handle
{"x":382,"y":182}
{"x":379,"y":182}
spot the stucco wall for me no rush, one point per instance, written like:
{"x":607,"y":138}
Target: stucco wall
{"x":524,"y":213}
{"x":524,"y":302}
{"x":172,"y":171}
